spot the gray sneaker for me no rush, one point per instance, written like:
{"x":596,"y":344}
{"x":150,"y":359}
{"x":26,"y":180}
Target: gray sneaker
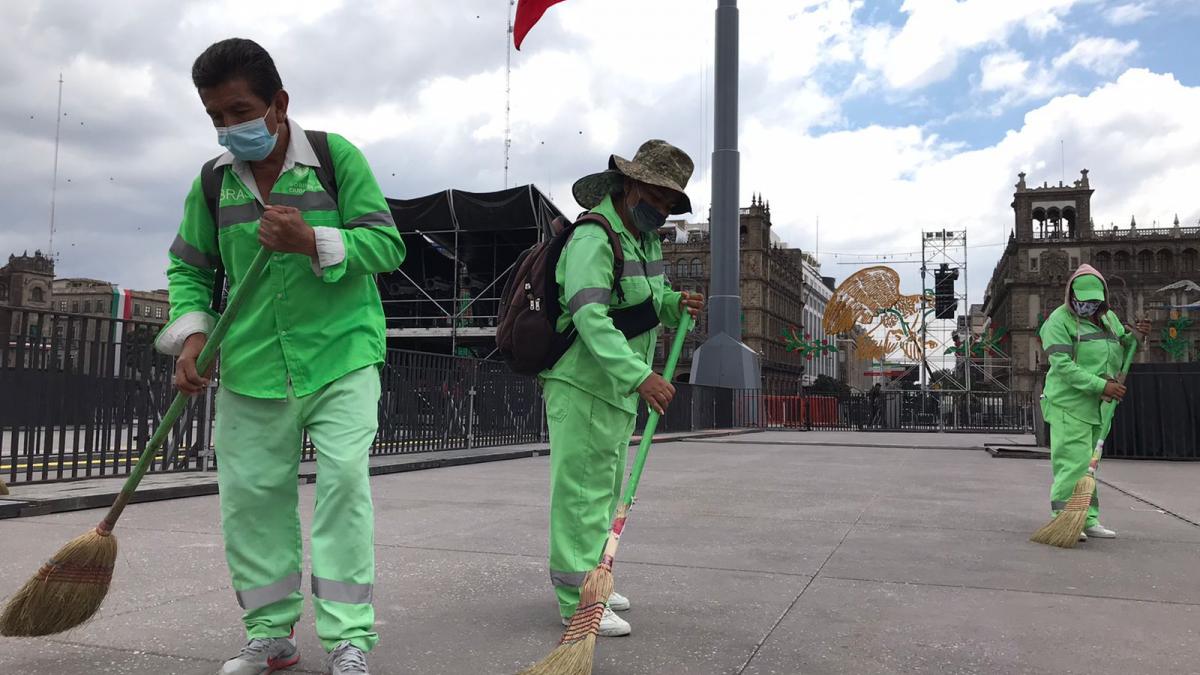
{"x":263,"y":655}
{"x":346,"y":659}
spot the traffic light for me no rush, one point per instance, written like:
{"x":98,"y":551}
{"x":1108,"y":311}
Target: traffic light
{"x":945,"y":303}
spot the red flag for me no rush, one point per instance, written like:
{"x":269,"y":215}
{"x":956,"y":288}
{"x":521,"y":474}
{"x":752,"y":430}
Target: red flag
{"x":528,"y":13}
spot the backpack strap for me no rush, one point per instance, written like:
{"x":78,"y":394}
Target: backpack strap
{"x":327,"y":172}
{"x":614,"y":240}
{"x":212,"y":176}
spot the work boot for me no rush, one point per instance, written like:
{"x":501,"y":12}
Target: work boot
{"x":618,"y":602}
{"x":346,"y":659}
{"x":1100,"y":532}
{"x":611,"y":625}
{"x":263,"y":655}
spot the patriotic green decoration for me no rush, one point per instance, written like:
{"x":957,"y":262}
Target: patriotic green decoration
{"x":805,"y":345}
{"x":1173,"y":341}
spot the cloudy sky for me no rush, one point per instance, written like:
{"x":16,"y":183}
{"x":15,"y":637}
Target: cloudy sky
{"x":882,"y":117}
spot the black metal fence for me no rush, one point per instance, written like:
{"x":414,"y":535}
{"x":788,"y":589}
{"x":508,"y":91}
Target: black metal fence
{"x":80,"y":396}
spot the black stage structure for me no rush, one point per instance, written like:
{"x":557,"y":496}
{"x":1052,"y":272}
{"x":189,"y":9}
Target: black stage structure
{"x":462,"y":247}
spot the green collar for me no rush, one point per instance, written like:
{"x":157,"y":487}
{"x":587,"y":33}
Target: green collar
{"x":607,"y":209}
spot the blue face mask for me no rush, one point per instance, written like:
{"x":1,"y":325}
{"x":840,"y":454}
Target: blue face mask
{"x":248,"y":141}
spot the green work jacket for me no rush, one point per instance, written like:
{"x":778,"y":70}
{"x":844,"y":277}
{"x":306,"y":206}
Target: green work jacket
{"x":601,"y":361}
{"x":309,"y":322}
{"x":1082,"y":356}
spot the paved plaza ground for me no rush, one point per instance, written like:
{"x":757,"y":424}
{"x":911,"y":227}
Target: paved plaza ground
{"x":777,"y":552}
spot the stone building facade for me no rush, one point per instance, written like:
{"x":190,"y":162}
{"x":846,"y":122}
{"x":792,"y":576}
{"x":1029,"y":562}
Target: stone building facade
{"x":772,"y":289}
{"x":26,"y":281}
{"x":92,"y":297}
{"x":1054,"y":233}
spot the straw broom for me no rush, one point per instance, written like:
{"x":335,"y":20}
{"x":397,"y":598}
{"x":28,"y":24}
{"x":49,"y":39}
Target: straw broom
{"x":69,"y":588}
{"x":3,"y":488}
{"x":1064,"y":529}
{"x":575,"y":650}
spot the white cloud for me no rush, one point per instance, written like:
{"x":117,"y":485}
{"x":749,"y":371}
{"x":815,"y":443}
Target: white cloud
{"x":927,"y":48}
{"x":1102,"y":55}
{"x":1124,"y":15}
{"x":428,"y":111}
{"x":877,"y":188}
{"x":1003,"y":71}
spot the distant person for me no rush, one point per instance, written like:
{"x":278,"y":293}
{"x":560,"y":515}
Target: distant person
{"x":875,"y":396}
{"x":303,"y":356}
{"x":1085,"y":344}
{"x":592,"y":392}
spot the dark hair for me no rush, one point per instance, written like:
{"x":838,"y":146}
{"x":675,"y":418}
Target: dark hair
{"x":237,"y":57}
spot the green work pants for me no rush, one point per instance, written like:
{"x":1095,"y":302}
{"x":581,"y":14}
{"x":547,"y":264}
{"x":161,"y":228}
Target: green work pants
{"x":1072,"y":442}
{"x":258,"y":443}
{"x":589,"y":441}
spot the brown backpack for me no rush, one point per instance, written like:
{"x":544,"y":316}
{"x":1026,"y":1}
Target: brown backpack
{"x":527,"y":335}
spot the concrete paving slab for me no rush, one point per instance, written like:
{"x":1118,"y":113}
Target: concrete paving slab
{"x":37,"y":656}
{"x":920,"y":557}
{"x":453,"y":612}
{"x":1170,"y":485}
{"x":1122,"y":568}
{"x":867,"y":628}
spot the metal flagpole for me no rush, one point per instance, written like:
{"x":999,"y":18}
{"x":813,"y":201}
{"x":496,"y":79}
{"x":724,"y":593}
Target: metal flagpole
{"x":54,"y":180}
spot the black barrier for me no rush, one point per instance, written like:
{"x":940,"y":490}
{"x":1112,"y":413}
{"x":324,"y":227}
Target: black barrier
{"x":1160,"y":416}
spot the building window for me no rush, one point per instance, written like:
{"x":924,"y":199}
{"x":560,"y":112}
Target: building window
{"x":1145,"y":261}
{"x":87,"y":306}
{"x":37,"y":295}
{"x":146,"y":311}
{"x":1033,"y":263}
{"x":62,"y":305}
{"x":1121,"y":261}
{"x":667,"y":269}
{"x":1191,"y":262}
{"x":1103,"y":260}
{"x":1162,"y":261}
{"x":137,"y":309}
{"x":75,"y":306}
{"x":158,"y":314}
{"x":697,"y":268}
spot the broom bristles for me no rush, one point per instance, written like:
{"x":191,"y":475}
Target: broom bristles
{"x":66,"y":591}
{"x":3,"y":488}
{"x":575,"y":651}
{"x":1064,"y":530}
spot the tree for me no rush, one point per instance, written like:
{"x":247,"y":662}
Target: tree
{"x":828,"y":385}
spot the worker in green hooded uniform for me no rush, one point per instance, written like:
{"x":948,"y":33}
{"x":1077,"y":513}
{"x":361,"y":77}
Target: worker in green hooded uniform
{"x":1085,"y":344}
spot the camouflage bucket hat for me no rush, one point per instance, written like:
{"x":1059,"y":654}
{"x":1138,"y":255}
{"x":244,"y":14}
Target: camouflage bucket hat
{"x":656,"y":163}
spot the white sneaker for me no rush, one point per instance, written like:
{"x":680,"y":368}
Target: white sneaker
{"x":618,"y":602}
{"x":611,"y":625}
{"x":1100,"y":532}
{"x":1082,"y":536}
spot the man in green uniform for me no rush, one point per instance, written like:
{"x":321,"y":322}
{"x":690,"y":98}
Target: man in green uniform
{"x":592,"y":392}
{"x":301,"y":357}
{"x":1085,"y":344}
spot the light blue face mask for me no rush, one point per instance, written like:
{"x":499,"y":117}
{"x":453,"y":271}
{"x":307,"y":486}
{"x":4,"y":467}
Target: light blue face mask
{"x":249,"y":141}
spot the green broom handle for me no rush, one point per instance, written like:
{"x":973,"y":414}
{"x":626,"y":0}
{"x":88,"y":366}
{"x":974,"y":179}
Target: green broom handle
{"x":207,"y":356}
{"x":639,"y":463}
{"x":1109,"y":408}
